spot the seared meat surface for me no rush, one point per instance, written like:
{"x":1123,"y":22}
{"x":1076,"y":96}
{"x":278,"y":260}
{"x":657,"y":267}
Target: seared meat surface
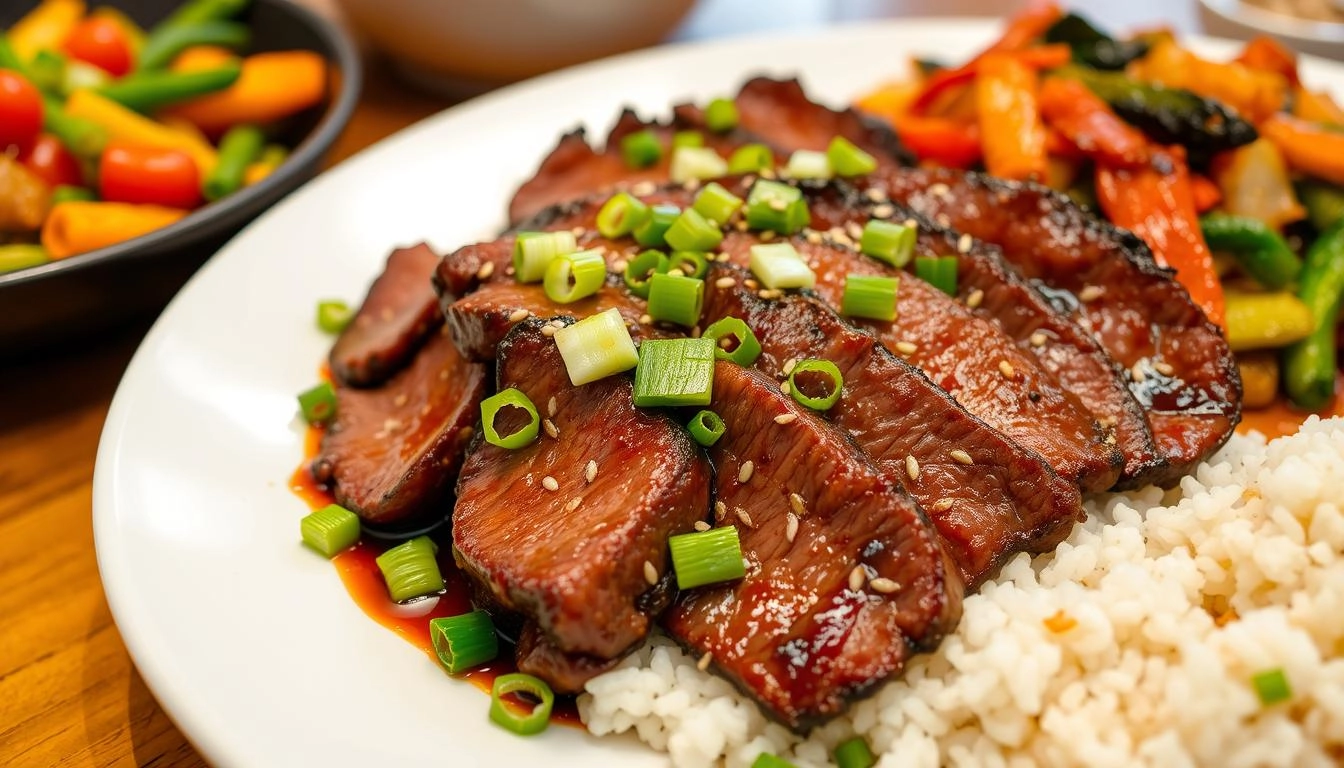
{"x":394,"y":450}
{"x":564,"y":672}
{"x":802,"y":632}
{"x":573,"y":559}
{"x":1000,"y":500}
{"x":396,"y":317}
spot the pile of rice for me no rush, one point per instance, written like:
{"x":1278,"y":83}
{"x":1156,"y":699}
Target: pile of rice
{"x":1133,"y":644}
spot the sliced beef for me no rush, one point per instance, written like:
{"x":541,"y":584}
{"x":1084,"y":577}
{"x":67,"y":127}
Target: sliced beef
{"x":396,"y":317}
{"x":393,"y":451}
{"x":573,"y":559}
{"x":796,"y":632}
{"x":1006,"y":500}
{"x":564,"y":672}
{"x":1181,"y":368}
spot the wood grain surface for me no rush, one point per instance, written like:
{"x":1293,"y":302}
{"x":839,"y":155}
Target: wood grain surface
{"x":69,"y":694}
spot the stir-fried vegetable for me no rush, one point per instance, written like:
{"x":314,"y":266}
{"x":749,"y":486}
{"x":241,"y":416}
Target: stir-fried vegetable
{"x":1309,"y":365}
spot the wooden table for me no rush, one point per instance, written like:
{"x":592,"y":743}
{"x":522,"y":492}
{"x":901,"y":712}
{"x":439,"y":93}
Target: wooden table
{"x":69,"y":694}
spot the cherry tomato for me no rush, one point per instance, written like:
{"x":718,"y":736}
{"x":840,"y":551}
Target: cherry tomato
{"x":128,"y":174}
{"x":103,"y":43}
{"x":20,"y":111}
{"x":49,"y":159}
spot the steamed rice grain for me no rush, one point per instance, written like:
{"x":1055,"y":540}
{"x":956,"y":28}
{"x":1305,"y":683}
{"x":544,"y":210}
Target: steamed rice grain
{"x":1134,"y":643}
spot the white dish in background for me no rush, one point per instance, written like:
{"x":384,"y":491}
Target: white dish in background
{"x":250,"y":641}
{"x":1242,"y":21}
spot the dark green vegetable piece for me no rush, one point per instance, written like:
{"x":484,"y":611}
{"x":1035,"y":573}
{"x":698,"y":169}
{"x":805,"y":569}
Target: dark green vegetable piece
{"x":47,"y":72}
{"x":9,"y":59}
{"x":1260,"y":251}
{"x":165,"y":42}
{"x":69,"y":194}
{"x":83,"y":137}
{"x":148,"y":91}
{"x":1309,"y":365}
{"x":1324,"y":202}
{"x":926,"y":67}
{"x":197,"y":11}
{"x":1091,"y":47}
{"x":1169,"y":115}
{"x":239,"y":147}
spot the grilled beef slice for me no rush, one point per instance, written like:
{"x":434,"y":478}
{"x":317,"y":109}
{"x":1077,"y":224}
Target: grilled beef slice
{"x":796,"y":632}
{"x":536,"y":655}
{"x":573,"y":560}
{"x":1006,"y":500}
{"x":394,"y":450}
{"x":396,"y":317}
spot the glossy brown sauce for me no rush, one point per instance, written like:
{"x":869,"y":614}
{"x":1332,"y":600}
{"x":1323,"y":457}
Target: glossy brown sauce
{"x":1282,"y":419}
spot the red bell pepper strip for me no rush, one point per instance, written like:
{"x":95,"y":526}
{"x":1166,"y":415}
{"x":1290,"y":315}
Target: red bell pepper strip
{"x":940,"y":141}
{"x":1074,"y":110}
{"x":1266,"y":54}
{"x":1310,"y":148}
{"x":944,"y":81}
{"x":1206,"y":193}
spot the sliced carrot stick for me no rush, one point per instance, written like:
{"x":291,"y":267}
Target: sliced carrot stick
{"x":272,"y":86}
{"x":1316,"y":106}
{"x":1307,"y":147}
{"x":80,"y":227}
{"x":1206,"y":193}
{"x":1074,"y":110}
{"x":1010,"y":122}
{"x":942,"y":87}
{"x":1266,"y":54}
{"x":199,"y":58}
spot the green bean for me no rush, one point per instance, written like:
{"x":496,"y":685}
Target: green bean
{"x":1324,"y":202}
{"x":1265,"y":320}
{"x":1260,"y":251}
{"x":148,"y":91}
{"x":9,"y":59}
{"x":239,"y":147}
{"x":21,"y":256}
{"x":164,"y":43}
{"x":197,"y":11}
{"x":273,"y":155}
{"x":83,"y":137}
{"x":47,"y":71}
{"x":68,"y":194}
{"x":1309,"y":365}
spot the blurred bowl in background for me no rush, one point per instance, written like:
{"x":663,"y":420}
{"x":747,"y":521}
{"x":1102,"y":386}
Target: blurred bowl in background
{"x":468,"y":45}
{"x":1242,"y":21}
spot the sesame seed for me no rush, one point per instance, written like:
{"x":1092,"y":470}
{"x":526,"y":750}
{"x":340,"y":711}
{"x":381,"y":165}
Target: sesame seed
{"x":392,"y":425}
{"x":942,"y":220}
{"x":1090,"y":293}
{"x":550,"y":483}
{"x":813,"y":237}
{"x":650,"y":573}
{"x":875,"y":194}
{"x":744,"y":474}
{"x":573,"y":503}
{"x":1006,"y":368}
{"x":720,"y":510}
{"x":619,"y":265}
{"x":724,"y":257}
{"x":550,"y":428}
{"x":778,"y":205}
{"x":701,"y":526}
{"x":548,"y":330}
{"x":767,"y":235}
{"x":487,"y":269}
{"x":751,"y":284}
{"x":790,"y":527}
{"x":703,"y":663}
{"x":643,"y":188}
{"x":884,"y":211}
{"x":942,"y":505}
{"x":770,"y":293}
{"x":741,"y":225}
{"x":964,"y":243}
{"x":788,"y":366}
{"x":590,"y":471}
{"x":1165,"y":369}
{"x":1136,"y":373}
{"x":725,"y":282}
{"x":399,"y":400}
{"x":552,"y":406}
{"x":961,"y":456}
{"x":786,"y":418}
{"x":578,"y":231}
{"x":884,"y":585}
{"x":508,"y":270}
{"x":518,"y":315}
{"x":768,"y":173}
{"x":856,"y":578}
{"x":797,"y":504}
{"x":912,"y":467}
{"x":785,"y":387}
{"x":744,"y":517}
{"x":1038,"y":339}
{"x":695,"y":332}
{"x":691,"y":185}
{"x":678,"y":271}
{"x":853,"y":230}
{"x":906,"y":347}
{"x":939,"y":190}
{"x":645,"y":319}
{"x":911,"y":223}
{"x":974,"y":298}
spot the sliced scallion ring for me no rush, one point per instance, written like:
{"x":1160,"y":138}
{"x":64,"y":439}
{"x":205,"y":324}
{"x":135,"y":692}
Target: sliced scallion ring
{"x":318,"y":405}
{"x":691,"y":263}
{"x":650,"y":233}
{"x":333,"y":315}
{"x":330,"y":530}
{"x":938,"y":271}
{"x":531,"y":723}
{"x":464,"y":641}
{"x":1272,"y":686}
{"x":533,"y":251}
{"x":573,"y":276}
{"x":744,"y":351}
{"x":767,"y":760}
{"x":707,"y":557}
{"x":676,"y":298}
{"x":641,"y":149}
{"x":621,"y":214}
{"x":750,"y":158}
{"x":687,"y":139}
{"x":706,"y":427}
{"x":847,"y":159}
{"x":870,"y":296}
{"x":827,"y":369}
{"x":779,"y":265}
{"x":642,"y":268}
{"x":808,"y":164}
{"x":596,"y":347}
{"x":693,"y":232}
{"x":410,"y":569}
{"x":721,"y":115}
{"x":509,"y":398}
{"x":888,"y":241}
{"x":716,"y":203}
{"x":854,"y":753}
{"x":777,"y":207}
{"x":696,"y":163}
{"x":674,"y":372}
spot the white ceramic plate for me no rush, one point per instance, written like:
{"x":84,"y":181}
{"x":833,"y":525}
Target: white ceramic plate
{"x":250,"y":641}
{"x":1241,"y":20}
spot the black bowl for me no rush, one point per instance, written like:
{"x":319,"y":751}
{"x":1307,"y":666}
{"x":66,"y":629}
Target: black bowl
{"x":81,"y":297}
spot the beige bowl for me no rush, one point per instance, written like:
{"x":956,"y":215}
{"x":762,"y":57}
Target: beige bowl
{"x":464,"y":44}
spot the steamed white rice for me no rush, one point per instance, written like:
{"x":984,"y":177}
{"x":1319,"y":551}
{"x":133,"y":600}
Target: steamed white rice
{"x":1177,"y":600}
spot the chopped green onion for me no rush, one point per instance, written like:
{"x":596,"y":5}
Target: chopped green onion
{"x":767,"y":760}
{"x":691,"y":263}
{"x":696,"y":163}
{"x":22,"y":256}
{"x":621,"y":214}
{"x":746,"y":349}
{"x":1272,"y":686}
{"x":778,"y":265}
{"x":693,"y":232}
{"x":807,"y":164}
{"x":707,"y":557}
{"x":533,"y":251}
{"x":574,"y":276}
{"x":533,"y":722}
{"x":330,"y":530}
{"x":824,"y":367}
{"x":318,"y":405}
{"x":716,"y":203}
{"x":650,"y":233}
{"x":66,"y":193}
{"x":846,"y":159}
{"x":596,"y":347}
{"x":889,"y":242}
{"x":776,"y":207}
{"x":641,"y":149}
{"x":239,"y":148}
{"x":706,"y":427}
{"x":938,"y":271}
{"x":333,"y":315}
{"x":870,"y":296}
{"x":639,"y":270}
{"x":854,"y":753}
{"x":674,"y":372}
{"x":750,"y":157}
{"x":676,"y":298}
{"x":721,"y":115}
{"x":687,"y":139}
{"x":509,"y":398}
{"x":464,"y":641}
{"x":410,"y":569}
